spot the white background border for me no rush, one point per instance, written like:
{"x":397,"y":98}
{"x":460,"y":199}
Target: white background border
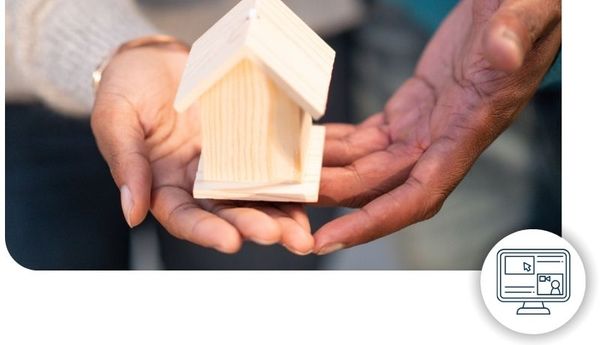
{"x":318,"y":307}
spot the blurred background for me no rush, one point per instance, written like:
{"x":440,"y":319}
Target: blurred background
{"x":514,"y":185}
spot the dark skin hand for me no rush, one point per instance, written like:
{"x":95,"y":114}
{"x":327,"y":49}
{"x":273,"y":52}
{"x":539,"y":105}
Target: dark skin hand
{"x":479,"y":70}
{"x":484,"y":63}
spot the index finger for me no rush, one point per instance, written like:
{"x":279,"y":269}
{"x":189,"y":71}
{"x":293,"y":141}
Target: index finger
{"x":179,"y":213}
{"x":420,"y":197}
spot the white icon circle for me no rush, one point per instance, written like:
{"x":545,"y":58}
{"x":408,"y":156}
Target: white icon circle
{"x":533,"y":281}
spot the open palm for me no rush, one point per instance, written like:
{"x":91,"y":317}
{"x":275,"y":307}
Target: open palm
{"x":481,"y":67}
{"x":153,"y":155}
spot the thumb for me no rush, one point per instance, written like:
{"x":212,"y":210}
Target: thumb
{"x":514,"y":29}
{"x":120,"y":138}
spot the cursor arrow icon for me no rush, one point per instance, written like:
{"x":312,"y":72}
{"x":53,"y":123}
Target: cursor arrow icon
{"x":526,"y":267}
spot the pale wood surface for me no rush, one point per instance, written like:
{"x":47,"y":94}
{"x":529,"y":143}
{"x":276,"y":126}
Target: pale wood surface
{"x":258,"y":75}
{"x":251,"y":130}
{"x":305,"y":191}
{"x":299,"y":61}
{"x":295,"y":57}
{"x":306,"y":129}
{"x":214,"y":54}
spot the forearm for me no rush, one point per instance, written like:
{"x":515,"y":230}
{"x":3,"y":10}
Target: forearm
{"x":53,"y":47}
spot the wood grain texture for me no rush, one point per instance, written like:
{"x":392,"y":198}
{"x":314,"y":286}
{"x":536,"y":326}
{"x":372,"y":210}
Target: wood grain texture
{"x":214,"y":54}
{"x":298,"y":60}
{"x":293,"y":55}
{"x":251,"y":131}
{"x":307,"y":190}
{"x":259,"y":75}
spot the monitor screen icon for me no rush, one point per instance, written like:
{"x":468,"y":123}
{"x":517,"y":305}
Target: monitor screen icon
{"x":519,"y":264}
{"x":533,"y":277}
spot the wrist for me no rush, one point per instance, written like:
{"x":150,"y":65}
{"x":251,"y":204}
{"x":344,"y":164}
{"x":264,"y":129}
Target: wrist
{"x":155,"y":41}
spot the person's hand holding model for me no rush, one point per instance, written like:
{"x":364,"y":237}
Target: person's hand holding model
{"x":153,"y":155}
{"x":482,"y":66}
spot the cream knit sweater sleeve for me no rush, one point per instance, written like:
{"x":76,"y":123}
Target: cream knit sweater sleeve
{"x":53,"y":46}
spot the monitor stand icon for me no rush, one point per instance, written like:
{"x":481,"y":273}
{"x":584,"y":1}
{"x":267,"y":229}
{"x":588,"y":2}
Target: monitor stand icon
{"x":533,"y":308}
{"x":533,"y":277}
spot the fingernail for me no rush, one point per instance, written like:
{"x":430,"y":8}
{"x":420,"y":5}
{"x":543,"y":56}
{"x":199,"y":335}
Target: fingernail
{"x":221,"y":248}
{"x":297,"y":252}
{"x":126,"y":203}
{"x":262,"y":242}
{"x":512,"y":38}
{"x":330,"y":248}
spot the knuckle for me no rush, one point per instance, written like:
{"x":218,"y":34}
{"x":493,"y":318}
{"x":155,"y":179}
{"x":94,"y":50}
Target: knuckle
{"x":354,"y":201}
{"x":433,"y":199}
{"x":555,"y":10}
{"x":96,"y":121}
{"x":434,"y":207}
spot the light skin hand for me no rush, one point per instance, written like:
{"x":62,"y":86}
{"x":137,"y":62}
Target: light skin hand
{"x":478,"y":71}
{"x":153,"y":155}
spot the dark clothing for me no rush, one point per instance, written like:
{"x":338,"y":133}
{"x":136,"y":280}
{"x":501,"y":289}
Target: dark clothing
{"x":63,"y":210}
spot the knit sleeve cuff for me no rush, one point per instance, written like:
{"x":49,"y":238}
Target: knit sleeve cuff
{"x":59,"y":44}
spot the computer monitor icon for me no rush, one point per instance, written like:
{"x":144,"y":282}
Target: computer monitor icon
{"x":533,"y":277}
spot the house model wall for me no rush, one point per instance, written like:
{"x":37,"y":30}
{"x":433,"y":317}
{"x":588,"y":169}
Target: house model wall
{"x":254,"y":132}
{"x":258,"y":77}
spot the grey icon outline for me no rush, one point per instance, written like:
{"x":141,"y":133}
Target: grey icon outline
{"x":522,"y":266}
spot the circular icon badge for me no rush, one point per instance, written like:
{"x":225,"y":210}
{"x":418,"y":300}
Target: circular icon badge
{"x":533,"y":281}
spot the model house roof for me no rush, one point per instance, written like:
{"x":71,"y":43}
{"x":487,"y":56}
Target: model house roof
{"x":271,"y":35}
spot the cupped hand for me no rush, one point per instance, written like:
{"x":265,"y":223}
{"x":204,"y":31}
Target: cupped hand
{"x":153,"y":155}
{"x":481,"y":67}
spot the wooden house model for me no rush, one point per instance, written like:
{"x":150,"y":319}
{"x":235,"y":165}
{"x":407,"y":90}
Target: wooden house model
{"x":259,"y":77}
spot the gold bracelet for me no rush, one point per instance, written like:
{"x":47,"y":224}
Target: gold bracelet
{"x":154,"y":40}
